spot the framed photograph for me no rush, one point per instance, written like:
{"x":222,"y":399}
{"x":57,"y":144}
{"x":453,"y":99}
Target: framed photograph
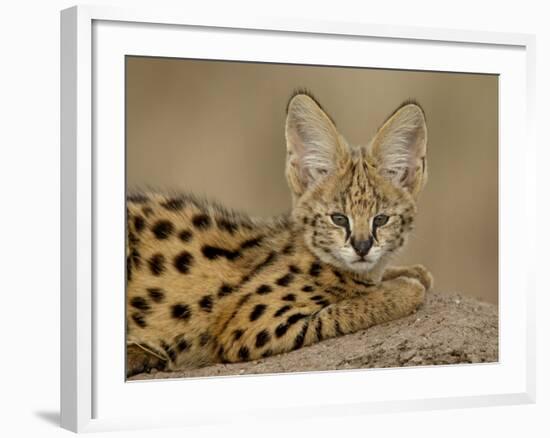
{"x":291,"y":218}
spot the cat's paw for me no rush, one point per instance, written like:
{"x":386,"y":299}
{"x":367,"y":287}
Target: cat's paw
{"x":415,"y":291}
{"x":140,"y":360}
{"x":406,"y":293}
{"x":417,"y":272}
{"x":420,"y":273}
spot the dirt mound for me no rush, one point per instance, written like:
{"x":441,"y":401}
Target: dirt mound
{"x":448,"y":329}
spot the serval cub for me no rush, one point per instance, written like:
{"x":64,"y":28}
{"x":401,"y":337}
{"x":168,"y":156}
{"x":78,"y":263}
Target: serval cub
{"x":207,"y":285}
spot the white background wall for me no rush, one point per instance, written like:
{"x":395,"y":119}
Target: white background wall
{"x":29,"y":218}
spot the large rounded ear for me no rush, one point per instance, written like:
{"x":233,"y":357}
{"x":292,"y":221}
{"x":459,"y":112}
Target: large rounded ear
{"x":314,"y":147}
{"x":398,"y":150}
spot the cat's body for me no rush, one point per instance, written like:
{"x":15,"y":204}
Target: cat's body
{"x":206,"y":285}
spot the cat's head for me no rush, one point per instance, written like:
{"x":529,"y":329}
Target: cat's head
{"x":356,"y":203}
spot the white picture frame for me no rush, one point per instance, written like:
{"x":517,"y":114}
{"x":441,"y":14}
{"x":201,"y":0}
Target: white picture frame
{"x":94,"y":394}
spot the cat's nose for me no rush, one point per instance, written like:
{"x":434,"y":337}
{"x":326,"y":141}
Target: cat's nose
{"x":362,"y":247}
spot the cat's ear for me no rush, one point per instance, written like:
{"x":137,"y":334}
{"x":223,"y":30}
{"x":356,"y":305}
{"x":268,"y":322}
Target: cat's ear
{"x":398,"y":149}
{"x":314,"y":147}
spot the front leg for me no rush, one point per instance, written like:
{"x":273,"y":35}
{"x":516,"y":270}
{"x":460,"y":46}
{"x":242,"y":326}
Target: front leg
{"x":295,"y":325}
{"x":419,"y":272}
{"x":390,"y":300}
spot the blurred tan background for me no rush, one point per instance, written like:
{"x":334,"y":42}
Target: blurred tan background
{"x":217,"y":129}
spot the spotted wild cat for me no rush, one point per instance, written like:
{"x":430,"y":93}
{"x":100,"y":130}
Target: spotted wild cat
{"x":207,"y":285}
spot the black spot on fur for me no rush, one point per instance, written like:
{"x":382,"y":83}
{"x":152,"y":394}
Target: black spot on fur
{"x":173,"y":204}
{"x":300,"y":338}
{"x":294,"y":269}
{"x":288,"y":249}
{"x":221,"y":354}
{"x":282,"y":310}
{"x":206,"y":303}
{"x":317,"y":297}
{"x":247,"y":225}
{"x":363,"y":283}
{"x":252,"y":243}
{"x":267,"y":353}
{"x":140,"y":303}
{"x":262,"y":338}
{"x":156,"y":294}
{"x":137,"y":199}
{"x":289,"y":297}
{"x":339,"y":275}
{"x":181,"y":311}
{"x":132,"y":239}
{"x":139,"y":319}
{"x":185,"y":235}
{"x":281,"y":329}
{"x":243,"y":299}
{"x":162,"y":229}
{"x":293,"y":319}
{"x":319,"y":329}
{"x":156,"y":264}
{"x":335,"y":290}
{"x":169,"y":351}
{"x":337,"y":328}
{"x":225,"y":289}
{"x":244,"y":353}
{"x":227,"y":225}
{"x":183,"y":262}
{"x":139,"y":223}
{"x":258,"y":311}
{"x":214,"y":252}
{"x":237,"y":334}
{"x":201,"y":221}
{"x":264,"y":289}
{"x":183,"y":345}
{"x":285,"y":280}
{"x":136,"y":258}
{"x":270,"y":258}
{"x":308,"y":288}
{"x":315,"y":269}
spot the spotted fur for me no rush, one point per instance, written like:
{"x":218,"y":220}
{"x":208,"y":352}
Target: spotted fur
{"x":207,"y":285}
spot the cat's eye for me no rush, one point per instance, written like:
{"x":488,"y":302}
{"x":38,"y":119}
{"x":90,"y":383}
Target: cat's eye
{"x":339,"y":219}
{"x":380,"y":220}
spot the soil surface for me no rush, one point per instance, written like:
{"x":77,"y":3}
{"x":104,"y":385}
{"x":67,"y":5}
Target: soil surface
{"x":448,"y":329}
